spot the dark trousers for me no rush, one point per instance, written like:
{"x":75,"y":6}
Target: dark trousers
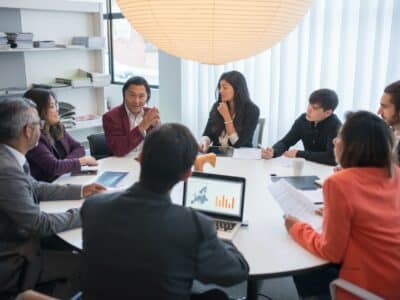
{"x":56,"y":271}
{"x":316,"y":282}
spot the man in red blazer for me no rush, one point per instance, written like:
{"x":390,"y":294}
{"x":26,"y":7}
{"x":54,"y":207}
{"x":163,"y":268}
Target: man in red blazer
{"x":126,"y":125}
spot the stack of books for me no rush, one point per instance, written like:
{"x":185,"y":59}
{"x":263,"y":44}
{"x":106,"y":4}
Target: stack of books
{"x":89,"y":41}
{"x":97,"y":79}
{"x":44,"y":44}
{"x":51,"y":85}
{"x":23,"y":40}
{"x":4,"y":41}
{"x":76,"y":81}
{"x":67,"y":114}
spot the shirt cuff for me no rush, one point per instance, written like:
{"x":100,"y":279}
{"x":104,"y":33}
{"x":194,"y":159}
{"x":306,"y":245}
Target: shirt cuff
{"x":233,"y":138}
{"x":143,"y":133}
{"x":82,"y":192}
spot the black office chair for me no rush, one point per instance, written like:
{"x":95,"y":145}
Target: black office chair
{"x":258,"y":132}
{"x":98,"y":146}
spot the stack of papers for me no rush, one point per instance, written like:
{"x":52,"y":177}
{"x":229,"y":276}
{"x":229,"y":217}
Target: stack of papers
{"x":247,"y":153}
{"x":89,"y":41}
{"x":295,"y":203}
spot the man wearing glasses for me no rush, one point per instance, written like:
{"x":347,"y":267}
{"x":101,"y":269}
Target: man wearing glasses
{"x":316,"y":128}
{"x":25,"y":260}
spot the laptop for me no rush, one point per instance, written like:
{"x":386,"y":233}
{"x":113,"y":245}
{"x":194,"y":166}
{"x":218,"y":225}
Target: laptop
{"x":221,"y":197}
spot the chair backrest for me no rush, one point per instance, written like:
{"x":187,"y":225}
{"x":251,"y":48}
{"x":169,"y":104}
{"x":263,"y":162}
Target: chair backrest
{"x":352,"y":289}
{"x":258,"y":132}
{"x":98,"y":146}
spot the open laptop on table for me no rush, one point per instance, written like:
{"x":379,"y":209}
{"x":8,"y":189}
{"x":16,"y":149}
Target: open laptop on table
{"x":219,"y":196}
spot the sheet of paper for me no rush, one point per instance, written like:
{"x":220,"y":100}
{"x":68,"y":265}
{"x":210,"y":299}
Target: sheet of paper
{"x":247,"y":153}
{"x":284,"y":161}
{"x":89,"y":168}
{"x":295,"y":203}
{"x":316,"y":196}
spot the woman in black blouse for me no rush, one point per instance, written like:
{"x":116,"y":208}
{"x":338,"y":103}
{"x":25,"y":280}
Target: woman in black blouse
{"x":233,"y":117}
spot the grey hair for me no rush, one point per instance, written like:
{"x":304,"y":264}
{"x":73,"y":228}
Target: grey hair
{"x":14,"y":115}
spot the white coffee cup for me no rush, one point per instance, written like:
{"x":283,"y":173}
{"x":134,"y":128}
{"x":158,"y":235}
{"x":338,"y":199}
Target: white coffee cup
{"x":297,"y":165}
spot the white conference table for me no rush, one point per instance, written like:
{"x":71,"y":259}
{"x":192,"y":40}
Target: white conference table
{"x":265,"y":243}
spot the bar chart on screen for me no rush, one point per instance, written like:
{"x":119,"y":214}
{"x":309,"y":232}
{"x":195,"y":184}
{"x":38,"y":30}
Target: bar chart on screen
{"x":224,"y":202}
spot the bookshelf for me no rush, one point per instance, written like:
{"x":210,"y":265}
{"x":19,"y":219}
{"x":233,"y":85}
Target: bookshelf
{"x":57,"y":20}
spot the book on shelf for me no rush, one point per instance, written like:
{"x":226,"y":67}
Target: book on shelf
{"x":44,"y":44}
{"x":51,"y":85}
{"x":89,"y":41}
{"x":13,"y":91}
{"x":20,"y":40}
{"x":75,"y":81}
{"x":98,"y":79}
{"x":19,"y":36}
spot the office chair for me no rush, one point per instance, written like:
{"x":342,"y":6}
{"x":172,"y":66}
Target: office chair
{"x":98,"y":146}
{"x":352,"y":289}
{"x":258,"y":133}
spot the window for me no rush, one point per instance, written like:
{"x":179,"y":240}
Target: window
{"x":129,"y":53}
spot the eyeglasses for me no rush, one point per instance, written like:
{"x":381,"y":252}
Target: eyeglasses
{"x":41,"y":124}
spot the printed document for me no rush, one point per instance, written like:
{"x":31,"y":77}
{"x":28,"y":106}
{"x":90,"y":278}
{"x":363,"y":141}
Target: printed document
{"x":295,"y":203}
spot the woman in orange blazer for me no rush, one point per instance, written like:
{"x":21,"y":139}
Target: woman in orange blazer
{"x":361,"y":215}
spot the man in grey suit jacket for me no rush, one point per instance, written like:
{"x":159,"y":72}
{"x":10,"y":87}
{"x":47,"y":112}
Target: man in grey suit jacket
{"x":23,"y":261}
{"x":137,"y":244}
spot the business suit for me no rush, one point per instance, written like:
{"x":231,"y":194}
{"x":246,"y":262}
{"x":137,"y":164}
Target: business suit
{"x":120,"y":138}
{"x":138,"y":245}
{"x":245,"y":130}
{"x":22,"y":224}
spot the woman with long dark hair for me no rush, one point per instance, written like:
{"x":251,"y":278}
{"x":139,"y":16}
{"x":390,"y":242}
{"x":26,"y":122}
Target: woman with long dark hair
{"x":233,"y":117}
{"x":361,"y":214}
{"x":57,"y":152}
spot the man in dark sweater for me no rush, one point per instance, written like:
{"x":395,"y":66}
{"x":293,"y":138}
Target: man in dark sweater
{"x":316,"y":129}
{"x":389,"y":110}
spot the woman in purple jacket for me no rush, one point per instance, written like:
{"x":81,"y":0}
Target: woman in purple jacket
{"x":57,"y":152}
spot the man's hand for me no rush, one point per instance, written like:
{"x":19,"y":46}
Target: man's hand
{"x":267,"y":153}
{"x":224,"y":111}
{"x":290,"y":153}
{"x":290,"y":221}
{"x":92,"y":189}
{"x":151,"y":117}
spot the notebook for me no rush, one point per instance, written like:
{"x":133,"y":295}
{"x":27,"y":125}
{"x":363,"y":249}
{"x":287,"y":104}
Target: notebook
{"x":299,"y":182}
{"x":110,"y":178}
{"x":219,"y":196}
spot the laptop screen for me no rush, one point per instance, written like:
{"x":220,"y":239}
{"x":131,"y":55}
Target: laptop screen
{"x":215,"y":195}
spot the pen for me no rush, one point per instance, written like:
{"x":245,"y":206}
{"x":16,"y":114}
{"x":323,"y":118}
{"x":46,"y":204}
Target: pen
{"x":259,"y":146}
{"x":318,"y":203}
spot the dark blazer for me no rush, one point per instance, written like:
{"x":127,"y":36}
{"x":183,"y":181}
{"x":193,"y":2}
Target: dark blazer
{"x":246,"y":131}
{"x":45,"y":163}
{"x":22,"y":223}
{"x":138,"y":245}
{"x":120,"y":139}
{"x":317,"y":139}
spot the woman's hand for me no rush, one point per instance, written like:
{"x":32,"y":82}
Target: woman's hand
{"x":290,"y":221}
{"x":224,"y":111}
{"x":87,"y":161}
{"x":204,"y":145}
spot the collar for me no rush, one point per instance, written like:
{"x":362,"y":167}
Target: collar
{"x":140,"y":190}
{"x":18,"y":155}
{"x":131,"y":115}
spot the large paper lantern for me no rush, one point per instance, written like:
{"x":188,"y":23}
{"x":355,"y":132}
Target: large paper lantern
{"x":213,"y":31}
